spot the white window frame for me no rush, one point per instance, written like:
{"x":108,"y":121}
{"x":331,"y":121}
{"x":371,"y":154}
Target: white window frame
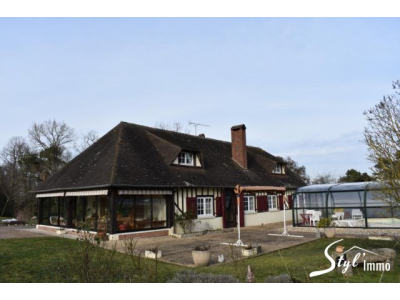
{"x":188,"y":158}
{"x":205,"y":201}
{"x":250,"y":201}
{"x":272,"y":199}
{"x":278,"y":169}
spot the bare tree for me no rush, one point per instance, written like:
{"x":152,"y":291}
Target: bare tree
{"x":382,"y":136}
{"x":300,"y":171}
{"x":324,"y":178}
{"x":88,"y":139}
{"x":162,"y":125}
{"x":51,"y":139}
{"x":12,"y":182}
{"x":176,"y":126}
{"x":23,"y":166}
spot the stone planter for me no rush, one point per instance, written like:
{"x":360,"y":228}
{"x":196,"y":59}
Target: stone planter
{"x":152,"y":254}
{"x":249,"y":252}
{"x":330,"y":232}
{"x":201,"y":258}
{"x":61,"y":231}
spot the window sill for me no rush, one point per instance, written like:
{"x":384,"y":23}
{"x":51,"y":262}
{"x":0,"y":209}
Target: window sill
{"x":202,"y":217}
{"x":250,"y":212}
{"x":273,"y":210}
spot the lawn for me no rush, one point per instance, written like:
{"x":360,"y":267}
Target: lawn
{"x":300,"y":261}
{"x":34,"y":260}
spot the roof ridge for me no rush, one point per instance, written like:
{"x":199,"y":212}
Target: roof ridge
{"x":177,"y":132}
{"x":190,"y":135}
{"x":117,"y":148}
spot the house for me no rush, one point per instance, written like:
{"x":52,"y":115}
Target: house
{"x":135,"y":178}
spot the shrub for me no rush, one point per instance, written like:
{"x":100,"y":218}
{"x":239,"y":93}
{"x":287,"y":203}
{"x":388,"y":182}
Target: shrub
{"x":283,"y":278}
{"x":189,"y":276}
{"x":324,"y":223}
{"x":186,"y":220}
{"x":201,"y":248}
{"x":89,"y":262}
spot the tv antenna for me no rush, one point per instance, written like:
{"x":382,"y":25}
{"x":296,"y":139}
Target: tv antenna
{"x":195,"y":126}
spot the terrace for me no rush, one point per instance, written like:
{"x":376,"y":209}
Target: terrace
{"x":348,"y":205}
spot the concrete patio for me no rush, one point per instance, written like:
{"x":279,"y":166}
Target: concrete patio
{"x":179,"y":250}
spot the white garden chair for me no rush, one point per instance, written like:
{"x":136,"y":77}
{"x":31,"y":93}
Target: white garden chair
{"x":356,"y":214}
{"x":315,"y":217}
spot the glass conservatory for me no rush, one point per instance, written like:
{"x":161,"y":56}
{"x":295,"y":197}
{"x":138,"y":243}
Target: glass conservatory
{"x":358,"y":204}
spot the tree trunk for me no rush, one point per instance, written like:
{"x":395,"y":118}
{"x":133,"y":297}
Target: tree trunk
{"x":5,"y":205}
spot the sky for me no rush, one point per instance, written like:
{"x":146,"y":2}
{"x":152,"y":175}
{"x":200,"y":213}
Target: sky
{"x":300,"y":85}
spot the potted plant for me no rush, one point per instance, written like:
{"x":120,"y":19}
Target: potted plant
{"x":250,"y":250}
{"x":329,"y":230}
{"x":201,"y":256}
{"x":153,"y":253}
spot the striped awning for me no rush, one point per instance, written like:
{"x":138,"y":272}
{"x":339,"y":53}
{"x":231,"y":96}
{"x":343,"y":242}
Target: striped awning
{"x":144,"y":192}
{"x":261,"y":188}
{"x":87,"y":193}
{"x":49,"y":195}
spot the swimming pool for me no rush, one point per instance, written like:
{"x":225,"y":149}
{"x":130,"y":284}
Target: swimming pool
{"x":383,"y":222}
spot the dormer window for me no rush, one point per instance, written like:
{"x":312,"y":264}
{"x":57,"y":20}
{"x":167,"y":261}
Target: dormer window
{"x":279,"y":169}
{"x":186,"y":159}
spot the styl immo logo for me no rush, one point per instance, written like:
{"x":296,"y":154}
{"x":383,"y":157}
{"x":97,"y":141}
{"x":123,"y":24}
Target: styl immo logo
{"x":343,"y":262}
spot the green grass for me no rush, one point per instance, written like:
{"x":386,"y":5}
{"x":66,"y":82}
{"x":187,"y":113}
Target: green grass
{"x":33,"y":260}
{"x":300,"y":261}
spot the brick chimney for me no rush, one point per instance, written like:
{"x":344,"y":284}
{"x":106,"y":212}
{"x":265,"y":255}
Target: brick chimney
{"x":239,"y":150}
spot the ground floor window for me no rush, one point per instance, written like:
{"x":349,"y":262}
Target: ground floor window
{"x":249,"y":203}
{"x":204,"y":206}
{"x":76,"y":212}
{"x":141,"y":212}
{"x":272,"y":202}
{"x":50,"y":213}
{"x":95,"y":210}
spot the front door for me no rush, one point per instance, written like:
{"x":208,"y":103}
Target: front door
{"x":230,"y":209}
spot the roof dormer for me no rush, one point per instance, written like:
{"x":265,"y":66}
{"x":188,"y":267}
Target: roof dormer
{"x":280,"y":168}
{"x":188,"y":159}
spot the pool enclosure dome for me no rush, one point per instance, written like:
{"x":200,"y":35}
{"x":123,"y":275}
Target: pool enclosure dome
{"x":357,"y":204}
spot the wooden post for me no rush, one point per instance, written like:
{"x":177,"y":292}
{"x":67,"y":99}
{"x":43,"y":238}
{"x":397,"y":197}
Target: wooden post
{"x":113,"y":216}
{"x":40,"y":210}
{"x":238,"y":191}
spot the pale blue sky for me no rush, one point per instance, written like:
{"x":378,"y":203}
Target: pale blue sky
{"x":299,"y":85}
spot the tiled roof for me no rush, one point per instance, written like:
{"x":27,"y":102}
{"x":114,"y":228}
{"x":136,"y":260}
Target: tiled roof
{"x":132,"y":155}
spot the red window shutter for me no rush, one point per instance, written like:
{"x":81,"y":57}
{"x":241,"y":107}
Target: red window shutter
{"x":241,"y":211}
{"x":262,"y":203}
{"x":219,"y":206}
{"x":191,"y":205}
{"x":280,"y":202}
{"x":290,"y":200}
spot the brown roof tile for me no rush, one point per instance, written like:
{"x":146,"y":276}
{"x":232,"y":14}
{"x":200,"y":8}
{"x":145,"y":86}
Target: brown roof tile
{"x":138,"y":156}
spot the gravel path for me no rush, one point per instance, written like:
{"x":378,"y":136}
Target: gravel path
{"x":19,"y":232}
